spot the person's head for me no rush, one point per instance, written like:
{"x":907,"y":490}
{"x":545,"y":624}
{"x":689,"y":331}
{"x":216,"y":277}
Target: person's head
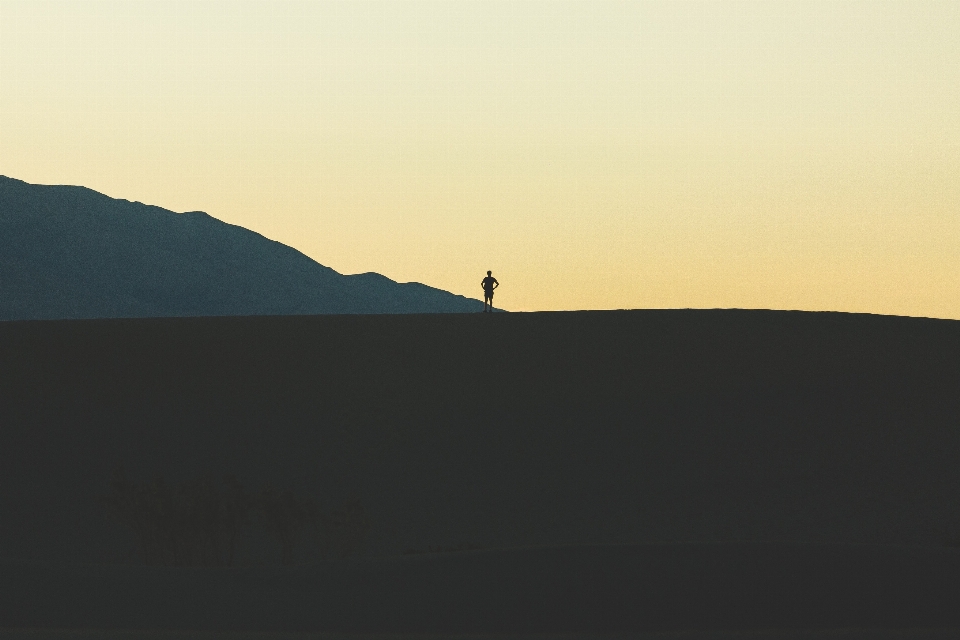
{"x":489,"y":273}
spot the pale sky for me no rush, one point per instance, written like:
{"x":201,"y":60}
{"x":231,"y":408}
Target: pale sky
{"x":594,"y":155}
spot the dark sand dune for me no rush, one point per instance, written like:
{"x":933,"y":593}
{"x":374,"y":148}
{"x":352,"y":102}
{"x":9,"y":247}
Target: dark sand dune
{"x":514,"y":430}
{"x":527,"y":591}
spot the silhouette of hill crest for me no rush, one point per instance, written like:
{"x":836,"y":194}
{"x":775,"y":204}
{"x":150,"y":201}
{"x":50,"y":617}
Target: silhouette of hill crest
{"x":71,"y":252}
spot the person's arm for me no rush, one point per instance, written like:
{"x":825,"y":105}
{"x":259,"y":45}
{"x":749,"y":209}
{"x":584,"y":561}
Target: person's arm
{"x":495,"y":283}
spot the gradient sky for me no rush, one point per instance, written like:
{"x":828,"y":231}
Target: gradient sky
{"x":594,"y":155}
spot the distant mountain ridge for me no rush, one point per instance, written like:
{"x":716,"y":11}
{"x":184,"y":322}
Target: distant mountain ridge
{"x":71,"y":252}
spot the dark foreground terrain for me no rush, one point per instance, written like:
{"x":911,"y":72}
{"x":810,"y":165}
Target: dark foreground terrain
{"x":584,"y":590}
{"x":652,"y":471}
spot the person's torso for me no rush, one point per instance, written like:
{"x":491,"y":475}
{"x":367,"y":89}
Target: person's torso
{"x":488,"y":284}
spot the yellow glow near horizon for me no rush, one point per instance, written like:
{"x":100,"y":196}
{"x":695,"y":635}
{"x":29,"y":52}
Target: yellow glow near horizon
{"x":796,"y":154}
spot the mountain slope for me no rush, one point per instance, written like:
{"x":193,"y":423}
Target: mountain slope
{"x":70,"y":252}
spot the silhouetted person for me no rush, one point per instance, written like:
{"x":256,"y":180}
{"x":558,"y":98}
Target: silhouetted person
{"x":489,"y":284}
